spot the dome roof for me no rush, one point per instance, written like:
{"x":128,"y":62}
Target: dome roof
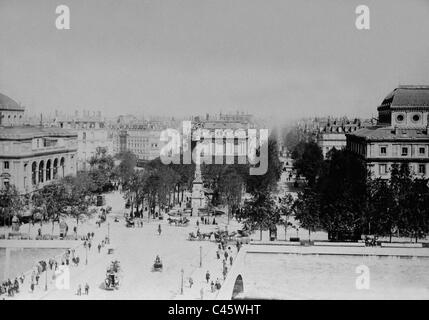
{"x":7,"y":103}
{"x":406,"y":96}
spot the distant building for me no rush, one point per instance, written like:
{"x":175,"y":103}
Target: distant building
{"x":11,"y":113}
{"x":401,"y":135}
{"x":92,"y":133}
{"x":32,"y":156}
{"x":333,"y":134}
{"x":219,"y":127}
{"x":143,"y":138}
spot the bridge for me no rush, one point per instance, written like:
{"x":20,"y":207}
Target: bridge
{"x":236,"y":281}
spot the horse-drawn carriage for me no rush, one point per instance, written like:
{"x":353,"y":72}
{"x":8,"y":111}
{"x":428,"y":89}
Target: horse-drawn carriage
{"x":200,"y":236}
{"x":129,"y":223}
{"x":113,"y":276}
{"x":225,"y":236}
{"x":178,"y":221}
{"x":157,"y":265}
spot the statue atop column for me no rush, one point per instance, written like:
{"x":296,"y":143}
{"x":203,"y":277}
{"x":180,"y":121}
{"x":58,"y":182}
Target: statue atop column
{"x":198,"y":198}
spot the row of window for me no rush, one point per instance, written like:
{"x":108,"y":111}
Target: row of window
{"x":401,"y":117}
{"x":404,"y":151}
{"x":383,"y":169}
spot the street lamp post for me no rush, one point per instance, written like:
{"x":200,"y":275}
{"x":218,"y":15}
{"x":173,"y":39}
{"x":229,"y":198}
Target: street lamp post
{"x":201,"y":256}
{"x":46,"y":278}
{"x":181,"y":285}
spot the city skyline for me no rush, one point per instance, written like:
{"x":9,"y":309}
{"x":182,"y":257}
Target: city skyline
{"x":289,"y":58}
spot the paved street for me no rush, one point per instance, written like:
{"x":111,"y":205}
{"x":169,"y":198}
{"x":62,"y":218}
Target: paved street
{"x":136,"y":249}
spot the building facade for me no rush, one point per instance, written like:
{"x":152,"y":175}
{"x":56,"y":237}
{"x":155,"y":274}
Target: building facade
{"x":333,"y":134}
{"x":92,"y":134}
{"x":400,"y":136}
{"x":32,"y":156}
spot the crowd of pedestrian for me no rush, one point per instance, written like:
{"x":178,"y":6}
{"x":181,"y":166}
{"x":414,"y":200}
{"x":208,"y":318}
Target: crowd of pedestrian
{"x":10,"y":288}
{"x":69,"y":257}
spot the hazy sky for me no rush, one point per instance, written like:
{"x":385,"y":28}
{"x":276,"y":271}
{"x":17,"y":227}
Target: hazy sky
{"x":268,"y":57}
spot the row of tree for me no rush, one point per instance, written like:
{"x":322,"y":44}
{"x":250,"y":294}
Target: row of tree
{"x":344,"y":199}
{"x":70,"y":196}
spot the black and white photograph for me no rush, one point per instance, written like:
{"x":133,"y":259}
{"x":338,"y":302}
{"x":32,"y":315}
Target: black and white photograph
{"x":237,"y":150}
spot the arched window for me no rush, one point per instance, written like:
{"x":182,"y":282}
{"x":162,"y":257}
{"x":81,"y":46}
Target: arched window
{"x":48,"y":170}
{"x":41,"y":171}
{"x":34,"y":173}
{"x":55,"y":168}
{"x":62,"y":163}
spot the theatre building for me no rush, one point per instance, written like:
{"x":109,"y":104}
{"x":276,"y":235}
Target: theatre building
{"x":32,"y":156}
{"x":400,"y":136}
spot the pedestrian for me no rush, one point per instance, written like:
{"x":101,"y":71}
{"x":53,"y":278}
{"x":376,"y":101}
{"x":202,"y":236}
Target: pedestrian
{"x":212,"y":286}
{"x":214,"y":221}
{"x":230,"y":260}
{"x":217,"y":284}
{"x":207,"y":276}
{"x":92,"y":235}
{"x":225,"y":254}
{"x":198,"y":223}
{"x":159,"y":229}
{"x":89,"y":245}
{"x":37,"y":279}
{"x":99,"y":248}
{"x":218,"y":254}
{"x":191,"y":282}
{"x":79,"y":290}
{"x":32,"y":287}
{"x":87,"y":288}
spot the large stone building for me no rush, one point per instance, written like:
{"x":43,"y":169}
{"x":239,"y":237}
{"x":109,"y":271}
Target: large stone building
{"x":31,"y":156}
{"x":92,"y":134}
{"x":333,"y":134}
{"x":401,"y":134}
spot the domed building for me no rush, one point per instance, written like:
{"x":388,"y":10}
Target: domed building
{"x":32,"y":156}
{"x":11,"y":113}
{"x":400,"y":136}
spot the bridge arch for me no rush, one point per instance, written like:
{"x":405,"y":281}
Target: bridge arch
{"x":238,"y":287}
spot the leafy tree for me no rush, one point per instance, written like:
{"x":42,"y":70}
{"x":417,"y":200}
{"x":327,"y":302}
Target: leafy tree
{"x":308,"y":160}
{"x":267,"y":182}
{"x":260,"y":212}
{"x":125,"y":169}
{"x":101,"y":172}
{"x":231,"y":188}
{"x":10,"y":203}
{"x":380,"y":217}
{"x":51,"y":202}
{"x":287,"y":208}
{"x":307,"y":210}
